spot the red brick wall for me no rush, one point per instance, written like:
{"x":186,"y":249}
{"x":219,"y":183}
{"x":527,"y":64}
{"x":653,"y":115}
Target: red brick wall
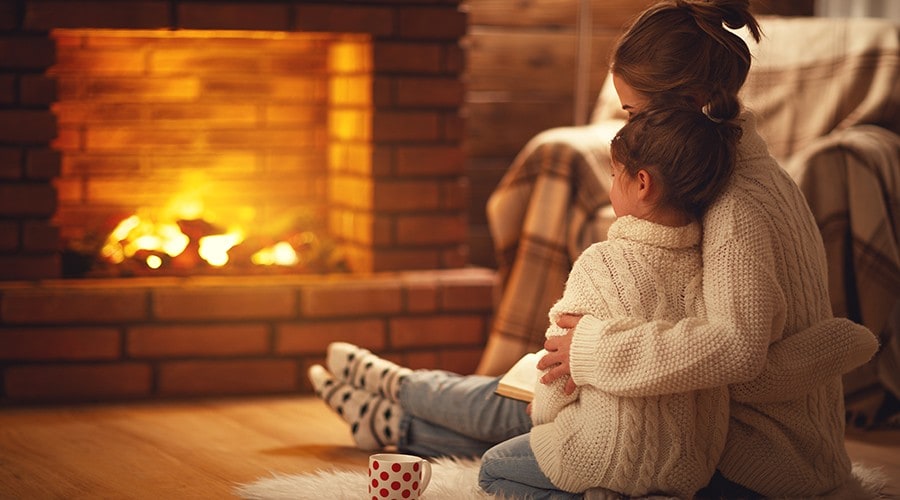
{"x":164,"y":338}
{"x":412,"y":213}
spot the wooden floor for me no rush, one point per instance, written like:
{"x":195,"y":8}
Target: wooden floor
{"x":203,"y":449}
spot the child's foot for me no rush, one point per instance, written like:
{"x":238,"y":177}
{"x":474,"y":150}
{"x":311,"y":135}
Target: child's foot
{"x":362,"y":369}
{"x":374,"y":421}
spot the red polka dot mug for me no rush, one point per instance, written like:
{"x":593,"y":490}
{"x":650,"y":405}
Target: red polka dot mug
{"x":394,"y":476}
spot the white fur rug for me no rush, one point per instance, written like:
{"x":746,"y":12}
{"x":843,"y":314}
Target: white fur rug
{"x":453,"y":479}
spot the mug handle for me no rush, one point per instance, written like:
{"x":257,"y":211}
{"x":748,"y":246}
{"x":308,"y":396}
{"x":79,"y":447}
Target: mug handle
{"x":426,"y":474}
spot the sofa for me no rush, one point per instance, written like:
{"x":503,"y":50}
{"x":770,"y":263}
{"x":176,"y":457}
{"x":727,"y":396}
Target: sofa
{"x":826,"y":92}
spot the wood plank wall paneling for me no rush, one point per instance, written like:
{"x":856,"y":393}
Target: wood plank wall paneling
{"x":520,"y":81}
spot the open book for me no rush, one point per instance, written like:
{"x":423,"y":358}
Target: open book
{"x":520,"y":380}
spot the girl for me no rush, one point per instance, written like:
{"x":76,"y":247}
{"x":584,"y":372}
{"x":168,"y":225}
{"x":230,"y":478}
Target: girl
{"x":668,"y":165}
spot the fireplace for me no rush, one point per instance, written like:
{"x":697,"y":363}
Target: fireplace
{"x":356,"y":145}
{"x":390,"y":166}
{"x":199,"y":151}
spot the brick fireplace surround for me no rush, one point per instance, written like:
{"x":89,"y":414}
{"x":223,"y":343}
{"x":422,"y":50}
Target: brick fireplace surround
{"x":414,"y":299}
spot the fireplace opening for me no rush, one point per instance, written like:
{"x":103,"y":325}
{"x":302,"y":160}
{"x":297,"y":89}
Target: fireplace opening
{"x":190,"y":152}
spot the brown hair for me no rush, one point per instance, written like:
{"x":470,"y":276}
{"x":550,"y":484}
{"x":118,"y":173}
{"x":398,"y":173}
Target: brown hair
{"x":690,"y":155}
{"x":680,"y":49}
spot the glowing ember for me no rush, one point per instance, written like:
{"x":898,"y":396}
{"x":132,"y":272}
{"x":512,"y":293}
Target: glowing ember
{"x":153,"y":261}
{"x":279,"y":254}
{"x":184,"y":244}
{"x":214,"y":248}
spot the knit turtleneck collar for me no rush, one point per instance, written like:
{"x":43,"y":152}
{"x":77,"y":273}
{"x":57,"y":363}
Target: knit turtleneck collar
{"x":751,"y":145}
{"x":650,"y":233}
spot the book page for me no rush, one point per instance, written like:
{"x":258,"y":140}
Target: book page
{"x":520,"y":380}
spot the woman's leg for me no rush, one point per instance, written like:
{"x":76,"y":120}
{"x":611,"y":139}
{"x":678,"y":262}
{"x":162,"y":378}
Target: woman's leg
{"x":466,"y":404}
{"x":439,"y":413}
{"x":374,"y":421}
{"x":425,"y":439}
{"x":510,"y":470}
{"x":456,"y":415}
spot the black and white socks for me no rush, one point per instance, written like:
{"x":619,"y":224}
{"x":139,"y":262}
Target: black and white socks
{"x":374,"y":420}
{"x":363,"y":389}
{"x":364,"y":370}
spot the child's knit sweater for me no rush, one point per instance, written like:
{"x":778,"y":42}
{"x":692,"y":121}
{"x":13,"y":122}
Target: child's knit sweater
{"x":634,"y":445}
{"x":764,"y":279}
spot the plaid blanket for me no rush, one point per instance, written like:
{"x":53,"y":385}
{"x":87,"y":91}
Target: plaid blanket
{"x":826,"y":95}
{"x":851,"y":179}
{"x":543,"y":214}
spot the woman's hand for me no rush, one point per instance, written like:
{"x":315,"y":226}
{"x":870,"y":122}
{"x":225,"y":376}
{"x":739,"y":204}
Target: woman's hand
{"x":557,"y":357}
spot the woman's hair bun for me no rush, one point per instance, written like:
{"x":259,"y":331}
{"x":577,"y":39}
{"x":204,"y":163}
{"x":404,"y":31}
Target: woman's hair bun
{"x":684,"y":49}
{"x":712,"y":14}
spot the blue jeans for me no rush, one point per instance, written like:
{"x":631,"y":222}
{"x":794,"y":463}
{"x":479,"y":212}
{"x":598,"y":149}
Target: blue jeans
{"x":453,"y":415}
{"x":510,"y":470}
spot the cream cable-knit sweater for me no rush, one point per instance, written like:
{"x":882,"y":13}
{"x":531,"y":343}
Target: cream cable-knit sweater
{"x":634,"y":445}
{"x":764,"y":279}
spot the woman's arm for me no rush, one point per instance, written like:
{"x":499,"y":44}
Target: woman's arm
{"x":631,"y":357}
{"x":799,"y":363}
{"x":794,"y":365}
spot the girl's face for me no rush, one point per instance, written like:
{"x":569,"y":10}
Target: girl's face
{"x":623,"y":192}
{"x":632,"y":101}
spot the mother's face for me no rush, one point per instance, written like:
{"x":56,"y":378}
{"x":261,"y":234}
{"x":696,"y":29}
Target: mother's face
{"x":632,"y":100}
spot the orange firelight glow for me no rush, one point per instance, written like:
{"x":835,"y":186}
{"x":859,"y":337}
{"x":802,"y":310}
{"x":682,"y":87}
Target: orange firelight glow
{"x":135,"y":234}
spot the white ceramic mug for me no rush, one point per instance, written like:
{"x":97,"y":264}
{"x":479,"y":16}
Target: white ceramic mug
{"x":394,"y":476}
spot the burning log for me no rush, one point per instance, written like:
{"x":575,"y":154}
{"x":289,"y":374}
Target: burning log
{"x":144,"y":247}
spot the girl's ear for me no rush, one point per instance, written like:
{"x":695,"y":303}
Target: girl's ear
{"x":644,"y":183}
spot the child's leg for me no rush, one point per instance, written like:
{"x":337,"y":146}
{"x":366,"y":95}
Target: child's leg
{"x":510,"y":470}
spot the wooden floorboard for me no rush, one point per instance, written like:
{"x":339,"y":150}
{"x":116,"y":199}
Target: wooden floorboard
{"x":175,"y":450}
{"x":202,"y":449}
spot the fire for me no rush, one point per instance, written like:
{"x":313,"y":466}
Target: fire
{"x":134,"y":234}
{"x":156,"y":242}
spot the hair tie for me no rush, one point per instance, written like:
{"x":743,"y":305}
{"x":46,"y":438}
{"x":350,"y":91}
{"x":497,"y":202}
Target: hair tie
{"x":705,"y":110}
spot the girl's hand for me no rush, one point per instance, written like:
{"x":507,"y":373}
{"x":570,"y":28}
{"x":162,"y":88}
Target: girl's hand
{"x":557,"y":357}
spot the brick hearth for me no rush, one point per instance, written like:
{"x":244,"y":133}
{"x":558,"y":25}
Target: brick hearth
{"x":94,"y":340}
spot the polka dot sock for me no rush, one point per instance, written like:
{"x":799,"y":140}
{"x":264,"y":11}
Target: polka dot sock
{"x":374,"y":421}
{"x":364,"y":370}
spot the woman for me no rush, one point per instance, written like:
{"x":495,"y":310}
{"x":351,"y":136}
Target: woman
{"x":785,"y":434}
{"x":764,"y":271}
